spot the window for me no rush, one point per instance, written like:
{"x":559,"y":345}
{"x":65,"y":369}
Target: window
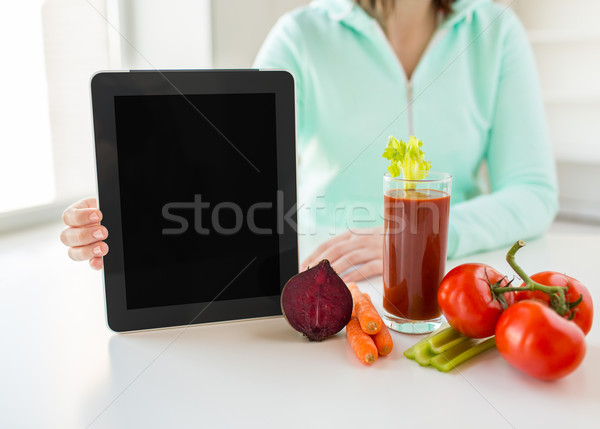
{"x":26,"y":163}
{"x":566,"y":42}
{"x":51,"y":49}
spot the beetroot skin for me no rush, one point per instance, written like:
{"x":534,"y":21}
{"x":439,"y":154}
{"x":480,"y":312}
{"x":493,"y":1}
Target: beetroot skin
{"x":317,"y":302}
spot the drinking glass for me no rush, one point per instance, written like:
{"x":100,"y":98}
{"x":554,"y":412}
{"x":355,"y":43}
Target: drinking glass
{"x":414,"y":250}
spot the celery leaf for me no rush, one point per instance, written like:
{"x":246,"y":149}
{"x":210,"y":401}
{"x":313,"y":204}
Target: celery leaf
{"x":406,"y":158}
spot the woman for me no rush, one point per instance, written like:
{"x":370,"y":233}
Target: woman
{"x":458,"y":75}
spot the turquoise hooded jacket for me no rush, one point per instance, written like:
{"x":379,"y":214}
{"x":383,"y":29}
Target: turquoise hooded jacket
{"x":474,"y":100}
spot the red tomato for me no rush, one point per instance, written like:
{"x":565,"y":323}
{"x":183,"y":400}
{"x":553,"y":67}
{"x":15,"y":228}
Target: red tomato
{"x":467,"y":302}
{"x":535,"y":339}
{"x":584,"y":311}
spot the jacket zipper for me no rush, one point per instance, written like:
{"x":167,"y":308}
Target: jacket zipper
{"x":409,"y":109}
{"x":437,"y":36}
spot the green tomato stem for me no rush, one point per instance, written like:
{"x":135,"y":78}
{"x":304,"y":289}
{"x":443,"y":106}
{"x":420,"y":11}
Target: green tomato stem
{"x":557,"y":293}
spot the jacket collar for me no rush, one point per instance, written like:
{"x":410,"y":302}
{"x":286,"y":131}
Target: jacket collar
{"x":352,"y":15}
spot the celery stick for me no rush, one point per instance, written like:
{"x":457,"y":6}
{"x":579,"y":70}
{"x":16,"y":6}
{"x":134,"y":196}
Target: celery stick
{"x":410,"y":353}
{"x":460,"y":353}
{"x":446,"y":340}
{"x":407,"y":158}
{"x":424,"y":354}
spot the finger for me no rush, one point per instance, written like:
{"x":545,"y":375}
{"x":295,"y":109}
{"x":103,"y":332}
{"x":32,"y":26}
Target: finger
{"x":323,"y":247}
{"x":85,"y":203}
{"x":83,"y":253}
{"x":370,"y":269}
{"x":96,"y":263}
{"x":354,"y":258}
{"x":89,"y":202}
{"x":75,"y":237}
{"x":75,"y":217}
{"x":83,"y":212}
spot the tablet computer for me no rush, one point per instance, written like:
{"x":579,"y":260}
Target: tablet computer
{"x":197,"y":185}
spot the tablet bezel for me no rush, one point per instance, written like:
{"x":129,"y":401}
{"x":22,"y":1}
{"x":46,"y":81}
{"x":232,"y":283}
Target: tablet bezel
{"x":108,"y":84}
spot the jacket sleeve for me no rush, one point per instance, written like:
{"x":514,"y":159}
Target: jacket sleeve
{"x":523,"y":198}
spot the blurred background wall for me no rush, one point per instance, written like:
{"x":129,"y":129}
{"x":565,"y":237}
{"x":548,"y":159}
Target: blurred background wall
{"x":61,"y":43}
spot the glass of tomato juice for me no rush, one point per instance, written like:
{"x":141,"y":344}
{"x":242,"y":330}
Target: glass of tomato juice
{"x":414,"y":250}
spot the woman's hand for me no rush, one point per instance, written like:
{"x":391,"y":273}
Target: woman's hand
{"x":84,"y":234}
{"x":362,"y":247}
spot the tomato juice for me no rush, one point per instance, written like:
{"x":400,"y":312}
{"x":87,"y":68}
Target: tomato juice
{"x":414,"y":251}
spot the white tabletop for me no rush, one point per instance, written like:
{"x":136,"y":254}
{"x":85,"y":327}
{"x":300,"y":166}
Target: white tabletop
{"x":63,"y":368}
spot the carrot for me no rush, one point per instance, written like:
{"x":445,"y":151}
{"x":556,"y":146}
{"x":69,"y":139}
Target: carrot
{"x":383,"y":339}
{"x":367,"y":316}
{"x":362,"y":344}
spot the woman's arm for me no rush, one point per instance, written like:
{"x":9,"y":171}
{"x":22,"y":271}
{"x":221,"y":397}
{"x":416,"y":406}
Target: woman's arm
{"x":524,"y":197}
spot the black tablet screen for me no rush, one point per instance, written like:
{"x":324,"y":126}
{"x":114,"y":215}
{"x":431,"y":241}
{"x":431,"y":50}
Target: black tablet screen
{"x":198,"y":188}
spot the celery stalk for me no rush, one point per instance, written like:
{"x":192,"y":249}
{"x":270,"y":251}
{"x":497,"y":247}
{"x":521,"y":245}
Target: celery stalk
{"x":411,"y":352}
{"x":424,"y":354}
{"x":406,"y":158}
{"x":447,"y":348}
{"x":460,"y":353}
{"x":446,"y":340}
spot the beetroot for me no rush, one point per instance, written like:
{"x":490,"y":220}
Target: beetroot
{"x":317,"y":302}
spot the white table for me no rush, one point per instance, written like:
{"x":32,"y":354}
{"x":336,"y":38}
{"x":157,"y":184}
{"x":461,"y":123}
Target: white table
{"x":63,"y":368}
